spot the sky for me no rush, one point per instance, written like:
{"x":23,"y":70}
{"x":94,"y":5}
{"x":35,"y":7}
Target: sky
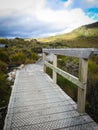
{"x":42,"y":18}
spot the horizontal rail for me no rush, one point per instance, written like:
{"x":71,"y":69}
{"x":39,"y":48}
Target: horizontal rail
{"x":83,"y":54}
{"x":66,"y":75}
{"x":74,"y":52}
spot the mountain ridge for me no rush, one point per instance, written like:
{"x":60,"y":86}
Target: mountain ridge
{"x":84,"y":36}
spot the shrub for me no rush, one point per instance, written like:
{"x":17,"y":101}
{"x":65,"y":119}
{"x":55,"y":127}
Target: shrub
{"x":4,"y":90}
{"x":18,"y":58}
{"x":34,"y":56}
{"x":3,"y":66}
{"x":4,"y":56}
{"x":29,"y":61}
{"x":93,"y":66}
{"x":92,"y":88}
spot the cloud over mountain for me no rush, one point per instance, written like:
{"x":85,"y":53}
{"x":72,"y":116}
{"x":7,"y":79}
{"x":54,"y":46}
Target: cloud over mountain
{"x":36,"y":18}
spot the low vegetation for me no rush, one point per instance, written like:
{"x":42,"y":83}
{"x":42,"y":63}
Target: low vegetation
{"x":16,"y":52}
{"x":83,"y":37}
{"x":71,"y":65}
{"x":25,"y":51}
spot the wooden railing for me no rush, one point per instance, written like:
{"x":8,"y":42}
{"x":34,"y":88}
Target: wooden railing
{"x":83,"y":54}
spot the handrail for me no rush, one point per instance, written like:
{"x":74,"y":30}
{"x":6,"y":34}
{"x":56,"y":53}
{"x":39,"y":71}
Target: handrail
{"x":66,"y":75}
{"x":83,"y":54}
{"x":74,"y":52}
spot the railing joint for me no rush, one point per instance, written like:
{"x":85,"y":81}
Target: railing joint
{"x":83,"y":54}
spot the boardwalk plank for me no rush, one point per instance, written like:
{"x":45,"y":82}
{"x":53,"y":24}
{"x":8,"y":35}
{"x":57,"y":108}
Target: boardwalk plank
{"x":37,"y":103}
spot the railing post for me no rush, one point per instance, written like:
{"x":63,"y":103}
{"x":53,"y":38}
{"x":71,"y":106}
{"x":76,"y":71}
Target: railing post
{"x":54,"y":64}
{"x":44,"y":57}
{"x":83,"y":68}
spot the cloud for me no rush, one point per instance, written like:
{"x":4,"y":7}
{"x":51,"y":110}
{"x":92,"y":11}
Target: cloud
{"x":36,"y":18}
{"x":68,"y":3}
{"x":63,"y":18}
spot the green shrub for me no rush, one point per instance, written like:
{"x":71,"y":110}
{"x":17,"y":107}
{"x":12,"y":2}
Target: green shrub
{"x":4,"y":90}
{"x":34,"y":56}
{"x":4,"y":55}
{"x":18,"y":58}
{"x":29,"y":61}
{"x":3,"y":66}
{"x":93,"y":66}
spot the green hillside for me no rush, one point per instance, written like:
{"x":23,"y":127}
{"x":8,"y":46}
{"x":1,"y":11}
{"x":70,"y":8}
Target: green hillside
{"x":85,"y":36}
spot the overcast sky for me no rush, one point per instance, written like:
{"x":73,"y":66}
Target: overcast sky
{"x":40,"y":18}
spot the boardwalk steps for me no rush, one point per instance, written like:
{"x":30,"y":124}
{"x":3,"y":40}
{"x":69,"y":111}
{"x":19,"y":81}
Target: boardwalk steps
{"x":37,"y":103}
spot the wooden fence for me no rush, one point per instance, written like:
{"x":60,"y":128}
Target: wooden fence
{"x":83,"y":54}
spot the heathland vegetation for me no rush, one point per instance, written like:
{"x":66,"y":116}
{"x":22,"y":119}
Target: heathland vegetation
{"x":24,"y":51}
{"x":15,"y":52}
{"x":83,"y":37}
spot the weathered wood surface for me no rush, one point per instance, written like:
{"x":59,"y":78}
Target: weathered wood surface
{"x":37,"y":103}
{"x":74,"y":52}
{"x":83,"y":54}
{"x":55,"y":65}
{"x":83,"y":69}
{"x":66,"y":75}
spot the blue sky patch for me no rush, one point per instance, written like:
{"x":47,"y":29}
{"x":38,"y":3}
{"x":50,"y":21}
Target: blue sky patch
{"x":64,"y":0}
{"x":92,"y":13}
{"x":41,"y":18}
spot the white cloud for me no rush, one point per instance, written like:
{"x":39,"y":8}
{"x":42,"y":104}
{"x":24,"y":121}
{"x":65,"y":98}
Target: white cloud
{"x":38,"y":10}
{"x":63,"y":19}
{"x":20,"y":4}
{"x":68,"y":3}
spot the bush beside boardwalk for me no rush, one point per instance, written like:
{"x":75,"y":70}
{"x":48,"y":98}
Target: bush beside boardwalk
{"x":82,"y":37}
{"x":70,"y":65}
{"x":18,"y":52}
{"x":24,"y":51}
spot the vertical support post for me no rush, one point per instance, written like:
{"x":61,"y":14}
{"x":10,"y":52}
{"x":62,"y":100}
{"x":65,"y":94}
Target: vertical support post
{"x":54,"y":64}
{"x":44,"y":57}
{"x":83,"y":68}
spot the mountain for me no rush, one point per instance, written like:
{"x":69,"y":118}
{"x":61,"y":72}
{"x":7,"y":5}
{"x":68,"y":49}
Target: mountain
{"x":84,"y":36}
{"x":94,"y":25}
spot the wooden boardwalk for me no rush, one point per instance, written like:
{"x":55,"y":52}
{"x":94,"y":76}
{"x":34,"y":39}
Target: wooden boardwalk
{"x":37,"y":103}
